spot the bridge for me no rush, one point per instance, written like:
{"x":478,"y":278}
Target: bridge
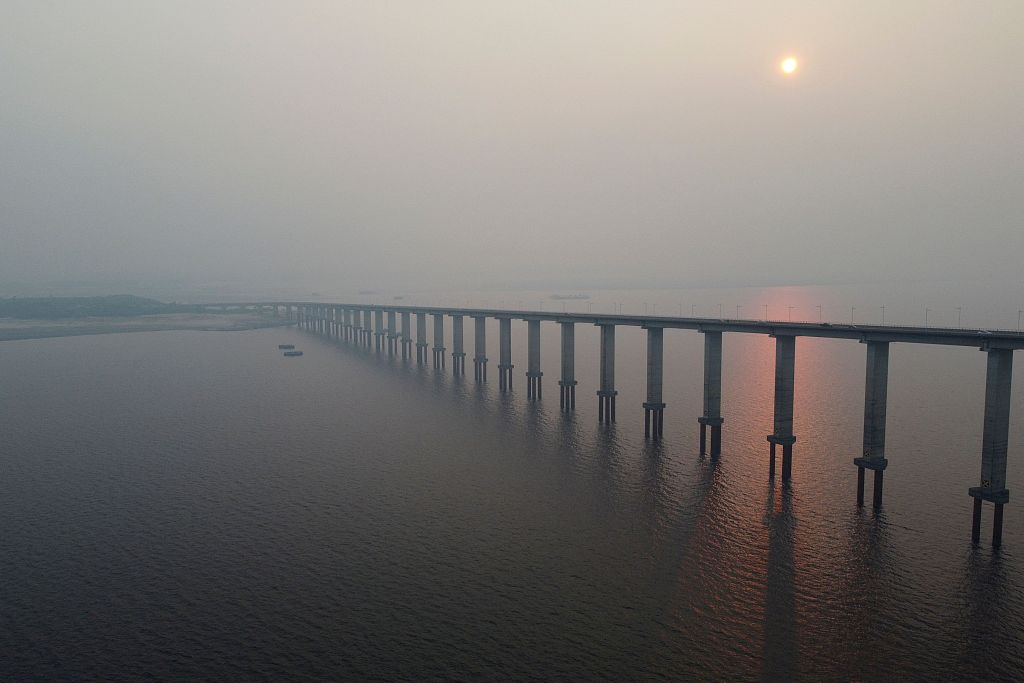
{"x":378,"y":326}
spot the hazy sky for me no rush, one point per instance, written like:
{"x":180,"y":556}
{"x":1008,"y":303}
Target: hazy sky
{"x":376,"y":144}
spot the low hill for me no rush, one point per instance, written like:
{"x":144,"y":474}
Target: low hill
{"x":122,"y":305}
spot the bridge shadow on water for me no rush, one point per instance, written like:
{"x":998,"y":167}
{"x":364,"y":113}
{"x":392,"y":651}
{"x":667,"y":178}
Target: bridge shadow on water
{"x":780,"y":629}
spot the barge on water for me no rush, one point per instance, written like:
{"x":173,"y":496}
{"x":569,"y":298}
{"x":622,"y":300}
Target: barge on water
{"x":293,"y":353}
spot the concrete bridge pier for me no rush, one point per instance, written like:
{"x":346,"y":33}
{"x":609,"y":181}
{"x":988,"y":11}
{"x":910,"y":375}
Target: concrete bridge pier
{"x":392,"y":333}
{"x":378,"y":331}
{"x":406,"y":335}
{"x":357,"y":326}
{"x":567,"y":384}
{"x":785,"y":365}
{"x":480,"y":348}
{"x":347,"y":313}
{"x":439,"y":340}
{"x":606,"y":394}
{"x":534,"y":377}
{"x":876,"y":384}
{"x":654,"y":406}
{"x":367,"y":327}
{"x":712,"y":416}
{"x":458,"y":346}
{"x":505,"y":354}
{"x":995,"y":437}
{"x":421,"y":338}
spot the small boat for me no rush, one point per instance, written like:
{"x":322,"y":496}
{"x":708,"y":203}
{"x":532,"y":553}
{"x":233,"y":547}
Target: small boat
{"x":286,"y":346}
{"x":293,"y":353}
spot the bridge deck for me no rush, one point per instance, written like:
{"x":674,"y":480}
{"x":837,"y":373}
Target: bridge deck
{"x":981,"y":338}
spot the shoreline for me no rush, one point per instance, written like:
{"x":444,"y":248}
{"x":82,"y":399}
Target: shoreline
{"x":24,"y":330}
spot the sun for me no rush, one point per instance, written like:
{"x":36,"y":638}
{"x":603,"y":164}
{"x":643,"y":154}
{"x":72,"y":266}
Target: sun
{"x":789,"y":65}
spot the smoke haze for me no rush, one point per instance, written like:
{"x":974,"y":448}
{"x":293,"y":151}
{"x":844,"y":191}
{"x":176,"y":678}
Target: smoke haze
{"x":370,"y":144}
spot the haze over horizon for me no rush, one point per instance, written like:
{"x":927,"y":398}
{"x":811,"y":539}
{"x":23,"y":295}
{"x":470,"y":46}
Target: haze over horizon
{"x":460,"y":144}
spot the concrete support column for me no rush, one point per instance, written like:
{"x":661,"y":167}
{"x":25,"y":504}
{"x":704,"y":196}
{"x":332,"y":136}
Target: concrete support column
{"x":439,"y":340}
{"x":654,"y":406}
{"x":406,"y":335}
{"x":567,"y":384}
{"x":480,"y":348}
{"x":458,"y":346}
{"x":348,"y":323}
{"x":534,"y":376}
{"x":335,"y":322}
{"x":606,"y":394}
{"x":392,"y":333}
{"x":357,"y":326}
{"x":367,"y":327}
{"x":876,"y":384}
{"x":505,"y":354}
{"x":785,"y":365}
{"x":378,"y":331}
{"x":995,"y":438}
{"x":712,"y":416}
{"x":421,"y":338}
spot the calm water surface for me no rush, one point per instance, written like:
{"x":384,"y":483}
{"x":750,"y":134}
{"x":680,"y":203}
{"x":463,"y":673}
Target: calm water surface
{"x":191,"y":504}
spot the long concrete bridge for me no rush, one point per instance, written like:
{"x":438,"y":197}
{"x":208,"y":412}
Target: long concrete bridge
{"x":378,"y":326}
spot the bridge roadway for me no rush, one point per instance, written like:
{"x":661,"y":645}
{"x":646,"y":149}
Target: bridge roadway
{"x":361,"y":322}
{"x":952,"y":336}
